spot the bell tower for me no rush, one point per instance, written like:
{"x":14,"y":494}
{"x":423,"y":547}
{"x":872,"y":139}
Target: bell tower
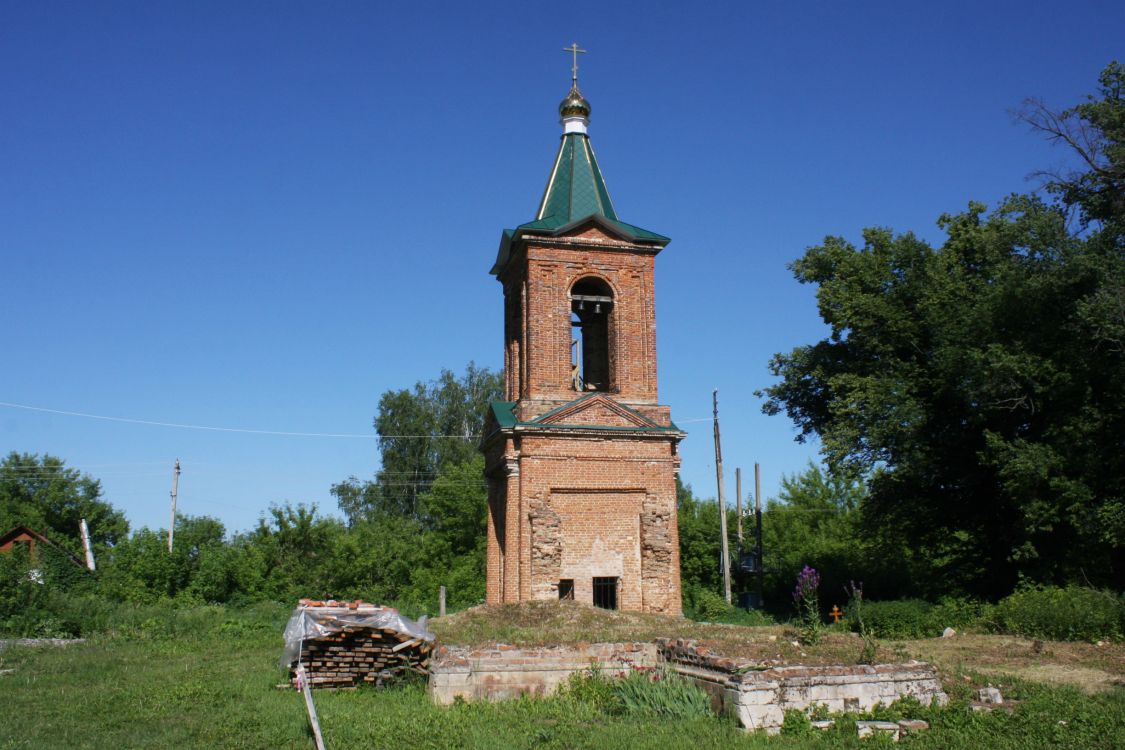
{"x":581,"y":458}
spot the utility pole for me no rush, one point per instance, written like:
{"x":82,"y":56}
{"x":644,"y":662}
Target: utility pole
{"x":738,"y":503}
{"x":758,"y":524}
{"x":86,"y":544}
{"x":722,"y":499}
{"x":175,"y":489}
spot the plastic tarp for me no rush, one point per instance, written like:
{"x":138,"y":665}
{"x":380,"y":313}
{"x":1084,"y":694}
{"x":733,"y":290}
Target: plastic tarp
{"x":310,"y":623}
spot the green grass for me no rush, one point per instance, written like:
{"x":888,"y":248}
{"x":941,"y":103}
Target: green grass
{"x":205,"y":678}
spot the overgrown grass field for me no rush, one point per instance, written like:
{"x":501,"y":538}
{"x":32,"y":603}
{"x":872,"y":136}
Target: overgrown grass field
{"x":207,"y":678}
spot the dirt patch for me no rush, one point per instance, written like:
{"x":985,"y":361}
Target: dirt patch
{"x":1086,"y":666}
{"x":1087,"y":680}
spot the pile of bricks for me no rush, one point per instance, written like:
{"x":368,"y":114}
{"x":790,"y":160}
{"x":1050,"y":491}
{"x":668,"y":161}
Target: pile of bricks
{"x":686,"y":652}
{"x":344,"y":644}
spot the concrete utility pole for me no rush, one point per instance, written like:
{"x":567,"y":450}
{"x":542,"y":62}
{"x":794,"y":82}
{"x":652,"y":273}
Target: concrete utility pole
{"x":758,"y":524}
{"x":175,"y":489}
{"x":86,"y":544}
{"x":722,"y":500}
{"x":738,"y":503}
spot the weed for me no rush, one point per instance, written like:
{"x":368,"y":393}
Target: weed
{"x":855,"y":607}
{"x":661,"y":693}
{"x":807,"y":599}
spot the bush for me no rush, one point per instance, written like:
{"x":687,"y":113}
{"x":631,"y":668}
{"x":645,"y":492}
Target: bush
{"x":593,"y":688}
{"x":1073,"y":613}
{"x":704,"y":605}
{"x":960,"y":613}
{"x":915,"y":618}
{"x":902,"y":618}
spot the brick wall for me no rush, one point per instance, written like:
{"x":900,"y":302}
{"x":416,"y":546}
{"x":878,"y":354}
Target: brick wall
{"x":537,"y":326}
{"x":577,"y":508}
{"x":508,"y":672}
{"x":582,"y":504}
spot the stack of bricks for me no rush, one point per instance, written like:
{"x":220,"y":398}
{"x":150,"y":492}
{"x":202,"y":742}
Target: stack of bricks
{"x":687,"y":653}
{"x":362,"y":646}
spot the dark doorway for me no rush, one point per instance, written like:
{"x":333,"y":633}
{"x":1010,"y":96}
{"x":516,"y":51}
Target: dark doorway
{"x":566,"y":589}
{"x":605,"y":593}
{"x":591,"y":307}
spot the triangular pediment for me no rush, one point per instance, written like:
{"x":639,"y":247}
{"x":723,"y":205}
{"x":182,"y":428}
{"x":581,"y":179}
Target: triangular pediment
{"x":596,"y":410}
{"x":592,"y":227}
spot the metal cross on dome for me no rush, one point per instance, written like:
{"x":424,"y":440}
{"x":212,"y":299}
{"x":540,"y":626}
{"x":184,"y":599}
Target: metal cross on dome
{"x":573,"y":50}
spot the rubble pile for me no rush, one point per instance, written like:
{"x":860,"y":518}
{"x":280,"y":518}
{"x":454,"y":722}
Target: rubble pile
{"x":344,"y":644}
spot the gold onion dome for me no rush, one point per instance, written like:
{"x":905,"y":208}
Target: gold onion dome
{"x":574,"y":104}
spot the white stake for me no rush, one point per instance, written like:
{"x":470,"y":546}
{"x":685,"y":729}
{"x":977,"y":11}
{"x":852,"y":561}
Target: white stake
{"x":86,"y":544}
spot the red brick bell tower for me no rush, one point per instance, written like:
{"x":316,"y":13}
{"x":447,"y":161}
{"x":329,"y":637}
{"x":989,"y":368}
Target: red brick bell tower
{"x":581,"y":458}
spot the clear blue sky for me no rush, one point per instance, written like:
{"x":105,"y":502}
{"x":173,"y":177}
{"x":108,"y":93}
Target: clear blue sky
{"x":263,"y":215}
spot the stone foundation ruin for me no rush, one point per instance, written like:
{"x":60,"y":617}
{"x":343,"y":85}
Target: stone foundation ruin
{"x":757,"y":697}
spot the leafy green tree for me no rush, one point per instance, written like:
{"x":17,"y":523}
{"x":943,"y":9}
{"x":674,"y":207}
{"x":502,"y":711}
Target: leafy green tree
{"x":376,"y":560}
{"x":141,"y":569}
{"x":700,"y":550}
{"x":963,"y":379}
{"x":421,"y":432}
{"x":296,"y":548}
{"x":981,"y":384}
{"x":455,"y":508}
{"x":1095,"y":132}
{"x":816,"y":521}
{"x":41,"y":493}
{"x":455,"y":513}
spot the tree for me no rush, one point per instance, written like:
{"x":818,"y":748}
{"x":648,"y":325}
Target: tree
{"x":141,"y":569}
{"x":965,"y":381}
{"x":1095,"y":132}
{"x":297,"y":550}
{"x":43,"y":494}
{"x":981,"y":385}
{"x":816,"y":521}
{"x":700,"y":550}
{"x":422,"y":431}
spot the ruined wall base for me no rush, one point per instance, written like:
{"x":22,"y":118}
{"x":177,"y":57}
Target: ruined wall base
{"x":504,"y":672}
{"x":758,"y":698}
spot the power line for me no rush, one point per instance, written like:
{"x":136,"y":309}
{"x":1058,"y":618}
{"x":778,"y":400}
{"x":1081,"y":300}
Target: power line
{"x":152,"y":423}
{"x":246,"y":431}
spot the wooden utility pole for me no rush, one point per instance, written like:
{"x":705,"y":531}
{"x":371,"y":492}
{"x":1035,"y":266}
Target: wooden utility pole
{"x":758,"y":532}
{"x":441,"y":601}
{"x":722,"y":500}
{"x":86,"y":544}
{"x":175,"y":489}
{"x":738,"y":503}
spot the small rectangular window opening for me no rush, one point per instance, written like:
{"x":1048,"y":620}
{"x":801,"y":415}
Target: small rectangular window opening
{"x":605,"y":593}
{"x":566,"y":589}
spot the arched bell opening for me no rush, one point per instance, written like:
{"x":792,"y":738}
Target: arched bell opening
{"x":591,"y":326}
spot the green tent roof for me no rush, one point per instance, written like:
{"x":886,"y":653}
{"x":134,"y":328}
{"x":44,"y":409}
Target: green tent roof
{"x":576,"y":188}
{"x":575,"y":193}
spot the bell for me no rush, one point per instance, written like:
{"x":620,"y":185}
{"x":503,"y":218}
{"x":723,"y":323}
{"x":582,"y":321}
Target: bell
{"x":597,"y":308}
